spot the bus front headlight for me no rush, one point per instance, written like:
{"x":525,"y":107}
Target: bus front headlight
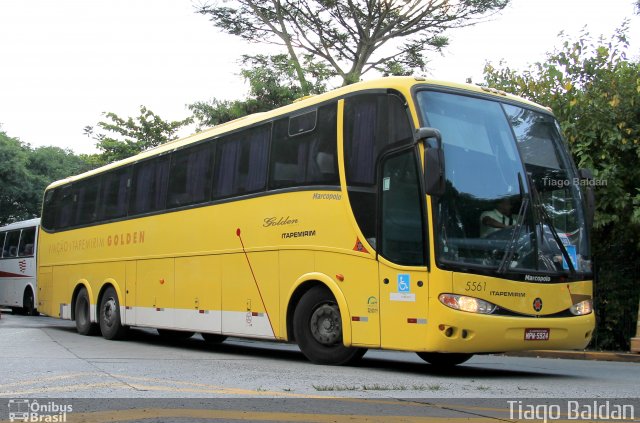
{"x":468,"y":304}
{"x":582,"y":308}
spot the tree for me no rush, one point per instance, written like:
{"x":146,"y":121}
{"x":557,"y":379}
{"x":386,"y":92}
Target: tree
{"x":122,"y":138}
{"x":273,"y":83}
{"x":25,"y":173}
{"x":14,"y":175}
{"x":595,"y":93}
{"x":351,"y":37}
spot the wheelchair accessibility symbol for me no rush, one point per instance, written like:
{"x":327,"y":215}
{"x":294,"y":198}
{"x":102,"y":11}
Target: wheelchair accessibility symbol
{"x":404,"y":283}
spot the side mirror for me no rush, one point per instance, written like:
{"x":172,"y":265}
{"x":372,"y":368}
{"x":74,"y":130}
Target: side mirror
{"x":587,"y":175}
{"x":434,"y":177}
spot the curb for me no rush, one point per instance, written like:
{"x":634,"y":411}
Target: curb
{"x":579,"y":355}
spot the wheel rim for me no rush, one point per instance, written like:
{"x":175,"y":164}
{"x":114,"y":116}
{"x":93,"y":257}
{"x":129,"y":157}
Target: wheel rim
{"x":110,"y":312}
{"x":325,"y":324}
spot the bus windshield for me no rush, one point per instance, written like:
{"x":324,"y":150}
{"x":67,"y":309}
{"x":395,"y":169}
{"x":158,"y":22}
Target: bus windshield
{"x":512,"y":201}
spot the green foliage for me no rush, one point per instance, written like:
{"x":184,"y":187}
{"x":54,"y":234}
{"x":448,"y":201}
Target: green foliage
{"x":594,"y":90}
{"x":121,"y":138}
{"x":26,"y":172}
{"x":273,"y":83}
{"x":350,"y":37}
{"x":13,"y":176}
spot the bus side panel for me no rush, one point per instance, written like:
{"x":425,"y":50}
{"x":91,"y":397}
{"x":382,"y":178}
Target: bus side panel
{"x":155,"y":293}
{"x":360,"y":288}
{"x":65,"y":279}
{"x":198,"y":298}
{"x":243,"y":310}
{"x":129,"y":302}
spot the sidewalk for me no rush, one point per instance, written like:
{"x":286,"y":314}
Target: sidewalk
{"x":579,"y":355}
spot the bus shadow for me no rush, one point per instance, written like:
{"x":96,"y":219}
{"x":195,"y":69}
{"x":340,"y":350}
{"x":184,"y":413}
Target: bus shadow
{"x":288,"y":352}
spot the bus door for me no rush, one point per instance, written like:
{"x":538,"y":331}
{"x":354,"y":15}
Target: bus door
{"x":401,"y":253}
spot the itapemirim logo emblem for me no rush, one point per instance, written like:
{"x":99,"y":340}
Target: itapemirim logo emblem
{"x":24,"y":410}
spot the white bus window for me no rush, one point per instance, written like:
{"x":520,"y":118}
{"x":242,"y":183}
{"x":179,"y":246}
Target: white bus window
{"x":11,"y":244}
{"x":27,"y":242}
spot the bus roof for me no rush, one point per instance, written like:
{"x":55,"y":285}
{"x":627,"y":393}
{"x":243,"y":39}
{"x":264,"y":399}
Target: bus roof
{"x":22,"y":224}
{"x":400,"y":83}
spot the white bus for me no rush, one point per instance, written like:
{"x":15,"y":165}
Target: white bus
{"x":18,"y":287}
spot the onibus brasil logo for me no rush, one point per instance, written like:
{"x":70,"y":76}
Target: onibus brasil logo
{"x":24,"y":410}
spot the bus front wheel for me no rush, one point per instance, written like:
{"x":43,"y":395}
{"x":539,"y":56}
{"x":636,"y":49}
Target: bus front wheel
{"x":28,"y":303}
{"x":444,"y":359}
{"x":82,"y":315}
{"x":317,"y":328}
{"x":110,"y":320}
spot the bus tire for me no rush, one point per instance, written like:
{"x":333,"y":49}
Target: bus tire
{"x":317,"y":327}
{"x":213,"y":338}
{"x":83,"y":315}
{"x":174,"y":335}
{"x":110,"y":321}
{"x":28,"y":303}
{"x":444,"y":359}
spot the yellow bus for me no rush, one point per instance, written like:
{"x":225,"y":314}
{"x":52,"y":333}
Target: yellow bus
{"x":400,"y":213}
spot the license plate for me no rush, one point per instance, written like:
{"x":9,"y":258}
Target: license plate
{"x":536,"y":334}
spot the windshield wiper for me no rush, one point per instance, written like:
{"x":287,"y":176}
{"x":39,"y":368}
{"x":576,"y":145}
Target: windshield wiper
{"x":547,"y":219}
{"x":510,"y":250}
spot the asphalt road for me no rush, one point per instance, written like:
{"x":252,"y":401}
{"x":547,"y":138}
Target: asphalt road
{"x":241,"y":379}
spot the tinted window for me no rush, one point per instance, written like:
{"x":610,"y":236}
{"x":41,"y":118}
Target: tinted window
{"x":11,"y":244}
{"x":149,"y":188}
{"x":190,"y":176}
{"x":113,"y":194}
{"x":241,"y":162}
{"x":308,"y":158}
{"x":401,"y":212}
{"x":86,"y":196}
{"x":2,"y":237}
{"x":64,"y":204}
{"x":27,"y":242}
{"x":302,"y":123}
{"x":372,"y":122}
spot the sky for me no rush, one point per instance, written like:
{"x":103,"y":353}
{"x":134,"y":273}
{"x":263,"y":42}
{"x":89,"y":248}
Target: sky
{"x":63,"y":63}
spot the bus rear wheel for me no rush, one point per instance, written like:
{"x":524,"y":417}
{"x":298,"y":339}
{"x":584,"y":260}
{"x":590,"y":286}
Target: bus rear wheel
{"x":110,"y":320}
{"x":83,"y":316}
{"x":317,"y":328}
{"x":444,"y":359}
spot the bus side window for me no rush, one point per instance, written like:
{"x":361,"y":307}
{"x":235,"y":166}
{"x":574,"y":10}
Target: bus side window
{"x":304,"y":149}
{"x":114,"y":191}
{"x":241,"y":162}
{"x":2,"y":237}
{"x":371,"y":123}
{"x":149,"y":188}
{"x":27,"y":240}
{"x":11,"y":244}
{"x":86,"y":198}
{"x":64,"y":205}
{"x":190,"y":176}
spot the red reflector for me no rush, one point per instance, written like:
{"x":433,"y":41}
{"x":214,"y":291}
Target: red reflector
{"x":201,"y":311}
{"x":355,"y":319}
{"x":412,"y":320}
